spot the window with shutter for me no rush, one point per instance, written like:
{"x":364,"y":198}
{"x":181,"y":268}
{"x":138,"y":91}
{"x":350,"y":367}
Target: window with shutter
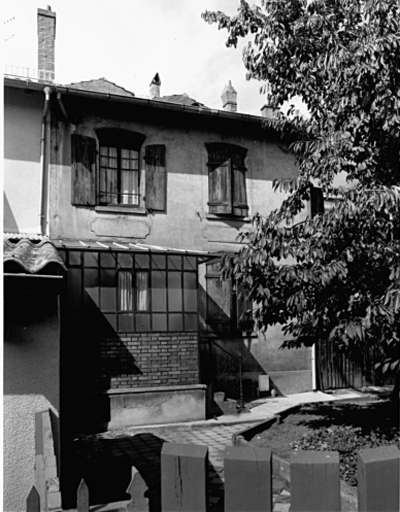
{"x":227,"y":179}
{"x":228,"y":310}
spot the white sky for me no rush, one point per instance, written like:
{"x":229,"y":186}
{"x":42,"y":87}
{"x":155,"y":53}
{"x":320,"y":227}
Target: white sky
{"x":128,"y":41}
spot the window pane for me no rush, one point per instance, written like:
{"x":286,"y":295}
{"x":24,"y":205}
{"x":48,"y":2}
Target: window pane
{"x":142,"y":260}
{"x":125,"y":302}
{"x":111,"y":319}
{"x":91,"y":259}
{"x":129,"y":187}
{"x":189,"y":262}
{"x":125,"y":322}
{"x":158,"y":261}
{"x":175,"y":322}
{"x":190,"y":291}
{"x":159,"y":322}
{"x":74,"y":257}
{"x":174,"y":291}
{"x":91,"y":283}
{"x":125,"y":260}
{"x":142,"y":291}
{"x":174,"y":262}
{"x":158,"y":291}
{"x":107,"y":260}
{"x":107,"y":290}
{"x":142,"y":322}
{"x":191,"y":322}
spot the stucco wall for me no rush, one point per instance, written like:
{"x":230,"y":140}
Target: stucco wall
{"x":31,"y":384}
{"x":186,"y":222}
{"x":22,"y":132}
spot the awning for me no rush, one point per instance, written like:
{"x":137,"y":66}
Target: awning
{"x":132,"y":247}
{"x":32,"y":257}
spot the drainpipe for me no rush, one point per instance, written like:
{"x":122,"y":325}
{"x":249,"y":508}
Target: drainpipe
{"x":47,"y":92}
{"x":313,"y":368}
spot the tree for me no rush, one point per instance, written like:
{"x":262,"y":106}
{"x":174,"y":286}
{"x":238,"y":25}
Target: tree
{"x":336,"y":275}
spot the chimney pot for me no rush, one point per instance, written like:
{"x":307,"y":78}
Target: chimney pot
{"x":46,"y":27}
{"x":229,"y":98}
{"x":155,"y":87}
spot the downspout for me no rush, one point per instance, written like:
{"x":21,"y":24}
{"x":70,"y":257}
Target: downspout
{"x":313,"y":368}
{"x":47,"y":92}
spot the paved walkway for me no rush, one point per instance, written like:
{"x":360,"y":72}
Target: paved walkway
{"x":105,"y":459}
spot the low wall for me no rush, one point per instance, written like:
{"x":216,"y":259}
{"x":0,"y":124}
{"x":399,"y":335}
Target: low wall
{"x":151,"y":406}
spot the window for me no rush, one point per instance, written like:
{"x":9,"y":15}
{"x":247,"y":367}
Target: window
{"x":130,"y":292}
{"x":119,"y":176}
{"x":108,"y":171}
{"x":228,"y":311}
{"x":227,"y":179}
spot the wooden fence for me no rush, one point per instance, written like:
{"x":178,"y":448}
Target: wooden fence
{"x":314,"y":475}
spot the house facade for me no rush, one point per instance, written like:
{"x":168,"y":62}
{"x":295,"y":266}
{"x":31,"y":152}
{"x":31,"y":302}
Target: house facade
{"x":116,"y":212}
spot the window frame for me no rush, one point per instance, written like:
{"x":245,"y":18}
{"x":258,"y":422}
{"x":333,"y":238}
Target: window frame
{"x":121,"y":140}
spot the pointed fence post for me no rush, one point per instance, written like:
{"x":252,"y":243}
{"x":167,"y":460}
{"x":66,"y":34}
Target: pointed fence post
{"x":248,"y":479}
{"x":315,"y":481}
{"x":184,"y":478}
{"x":33,"y":501}
{"x":82,"y":497}
{"x":137,"y":489}
{"x":378,"y":479}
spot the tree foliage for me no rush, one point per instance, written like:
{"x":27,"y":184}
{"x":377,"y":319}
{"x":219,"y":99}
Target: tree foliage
{"x":335,"y":275}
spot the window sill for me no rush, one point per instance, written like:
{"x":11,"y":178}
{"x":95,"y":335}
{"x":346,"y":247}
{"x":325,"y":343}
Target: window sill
{"x":213,"y":216}
{"x":129,"y":210}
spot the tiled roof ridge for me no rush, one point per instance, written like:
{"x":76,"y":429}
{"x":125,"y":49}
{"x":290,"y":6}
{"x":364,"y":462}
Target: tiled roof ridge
{"x":103,"y":79}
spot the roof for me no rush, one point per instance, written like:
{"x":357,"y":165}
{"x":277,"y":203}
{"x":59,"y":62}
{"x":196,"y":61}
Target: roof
{"x":32,"y":257}
{"x":117,"y":97}
{"x":101,"y":85}
{"x":182,"y":99}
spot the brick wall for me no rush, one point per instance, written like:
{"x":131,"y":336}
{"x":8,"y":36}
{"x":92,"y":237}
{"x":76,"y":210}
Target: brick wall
{"x":46,"y":41}
{"x":148,"y":360}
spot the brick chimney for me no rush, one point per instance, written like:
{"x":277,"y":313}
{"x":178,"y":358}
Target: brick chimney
{"x":46,"y":20}
{"x":229,"y":98}
{"x":155,"y":87}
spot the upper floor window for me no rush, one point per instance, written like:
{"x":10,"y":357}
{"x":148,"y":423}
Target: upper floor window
{"x":108,"y":171}
{"x":227,"y":179}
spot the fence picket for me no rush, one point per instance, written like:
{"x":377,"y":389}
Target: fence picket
{"x":137,"y":488}
{"x":184,"y":477}
{"x":33,"y":501}
{"x":315,"y":481}
{"x":82,"y":497}
{"x":378,"y":479}
{"x":248,"y":479}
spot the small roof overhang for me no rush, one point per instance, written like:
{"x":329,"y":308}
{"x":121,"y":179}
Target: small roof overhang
{"x":132,"y":247}
{"x":33,"y":258}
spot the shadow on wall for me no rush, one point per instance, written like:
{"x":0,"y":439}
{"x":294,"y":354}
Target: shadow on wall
{"x":31,"y":337}
{"x":9,"y":223}
{"x":92,"y":354}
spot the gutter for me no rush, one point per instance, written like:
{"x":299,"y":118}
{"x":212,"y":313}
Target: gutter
{"x":47,"y":91}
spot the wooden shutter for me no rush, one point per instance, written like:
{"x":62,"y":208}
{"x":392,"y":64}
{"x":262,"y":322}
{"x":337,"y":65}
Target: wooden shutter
{"x":219,"y":182}
{"x":317,"y":201}
{"x":219,"y":300}
{"x":156,"y":177}
{"x":83,"y":172}
{"x":240,"y":207}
